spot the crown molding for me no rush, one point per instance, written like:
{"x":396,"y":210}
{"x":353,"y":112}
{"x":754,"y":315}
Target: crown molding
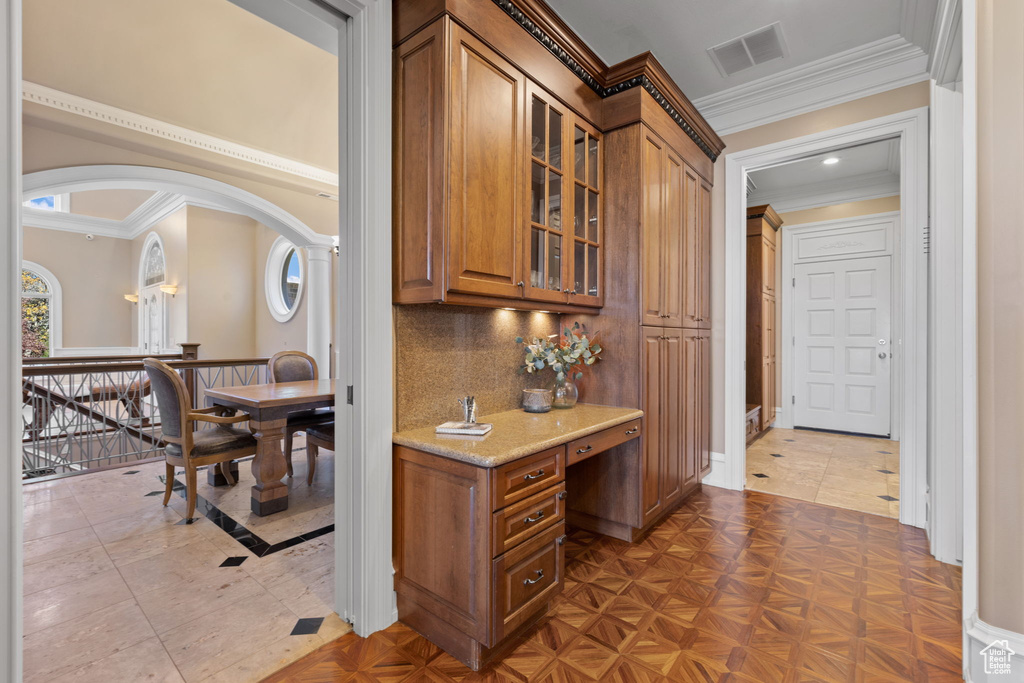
{"x":839,"y":191}
{"x":946,"y":52}
{"x":80,"y":106}
{"x":866,"y":70}
{"x":70,"y":222}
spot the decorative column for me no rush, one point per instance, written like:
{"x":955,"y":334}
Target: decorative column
{"x":318,"y":306}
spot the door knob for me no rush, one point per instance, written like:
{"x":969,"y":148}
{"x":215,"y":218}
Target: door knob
{"x":882,"y":354}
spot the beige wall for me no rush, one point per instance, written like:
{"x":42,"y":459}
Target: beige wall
{"x":882,"y":104}
{"x":270,"y":335}
{"x":94,"y":276}
{"x":1000,"y":313}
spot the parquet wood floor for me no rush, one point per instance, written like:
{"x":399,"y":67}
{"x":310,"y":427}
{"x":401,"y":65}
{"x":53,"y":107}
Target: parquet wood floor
{"x":743,"y":587}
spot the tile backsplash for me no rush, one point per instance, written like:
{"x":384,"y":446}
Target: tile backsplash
{"x":445,"y":352}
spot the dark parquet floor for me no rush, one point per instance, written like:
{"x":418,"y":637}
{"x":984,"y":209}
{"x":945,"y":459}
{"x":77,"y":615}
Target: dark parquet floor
{"x":731,"y":587}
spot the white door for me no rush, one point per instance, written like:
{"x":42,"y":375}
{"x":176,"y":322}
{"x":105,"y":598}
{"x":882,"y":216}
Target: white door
{"x":842,"y":345}
{"x":153,"y":317}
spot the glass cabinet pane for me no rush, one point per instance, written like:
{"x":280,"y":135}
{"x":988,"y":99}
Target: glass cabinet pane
{"x":579,"y":268}
{"x":581,"y":155}
{"x":538,"y":214}
{"x":537,"y":258}
{"x":554,"y":200}
{"x":554,"y":261}
{"x":592,"y":161}
{"x":591,"y":215}
{"x":591,"y":270}
{"x":555,"y":138}
{"x":579,"y":218}
{"x":537,"y":128}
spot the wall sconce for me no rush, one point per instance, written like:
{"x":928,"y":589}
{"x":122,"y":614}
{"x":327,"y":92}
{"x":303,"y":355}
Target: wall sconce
{"x":134,"y":298}
{"x":169,"y":289}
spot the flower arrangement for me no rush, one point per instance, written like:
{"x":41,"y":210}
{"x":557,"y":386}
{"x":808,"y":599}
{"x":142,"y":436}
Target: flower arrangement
{"x":567,"y":357}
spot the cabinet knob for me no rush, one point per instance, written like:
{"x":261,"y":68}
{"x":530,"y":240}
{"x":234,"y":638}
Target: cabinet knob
{"x":521,"y":284}
{"x":565,"y":291}
{"x":561,"y":540}
{"x":562,"y":495}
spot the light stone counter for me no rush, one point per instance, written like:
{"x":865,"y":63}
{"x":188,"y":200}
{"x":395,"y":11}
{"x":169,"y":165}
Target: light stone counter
{"x":517,"y":433}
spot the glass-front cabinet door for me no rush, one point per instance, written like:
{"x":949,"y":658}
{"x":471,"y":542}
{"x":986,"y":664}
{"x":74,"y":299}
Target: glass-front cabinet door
{"x":586,"y":284}
{"x":546,"y":242}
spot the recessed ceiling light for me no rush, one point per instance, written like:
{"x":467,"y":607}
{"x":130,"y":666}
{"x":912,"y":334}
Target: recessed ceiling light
{"x":830,"y":161}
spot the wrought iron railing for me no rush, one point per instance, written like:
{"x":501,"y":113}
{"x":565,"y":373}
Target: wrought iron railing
{"x":92,"y":414}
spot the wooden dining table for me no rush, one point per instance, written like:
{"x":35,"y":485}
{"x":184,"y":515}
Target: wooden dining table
{"x":268,"y":407}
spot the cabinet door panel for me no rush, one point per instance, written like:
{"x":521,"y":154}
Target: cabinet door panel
{"x":703,"y":265}
{"x":486,"y":171}
{"x":651,"y":404}
{"x":652,"y":255}
{"x":704,"y":403}
{"x":693,"y":258}
{"x":674,"y":229}
{"x":768,"y":266}
{"x":586,"y":283}
{"x":674,"y":413}
{"x":691,"y":413}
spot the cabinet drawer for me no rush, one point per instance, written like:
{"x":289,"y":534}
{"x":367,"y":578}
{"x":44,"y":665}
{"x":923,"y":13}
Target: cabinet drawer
{"x":527,"y":476}
{"x":527,"y":518}
{"x":526,"y":578}
{"x":581,"y":449}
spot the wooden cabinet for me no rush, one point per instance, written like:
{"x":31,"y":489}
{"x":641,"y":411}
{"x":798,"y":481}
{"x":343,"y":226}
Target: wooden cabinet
{"x":497,"y":184}
{"x":762,"y":227}
{"x":667,"y":464}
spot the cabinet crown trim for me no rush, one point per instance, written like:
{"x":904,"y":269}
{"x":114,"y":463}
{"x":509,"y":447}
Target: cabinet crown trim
{"x":644,"y":70}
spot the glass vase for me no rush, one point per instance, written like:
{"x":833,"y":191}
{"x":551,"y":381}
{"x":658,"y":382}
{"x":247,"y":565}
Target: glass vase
{"x":565,"y":394}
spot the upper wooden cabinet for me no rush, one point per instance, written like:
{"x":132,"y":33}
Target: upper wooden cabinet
{"x":497,"y":192}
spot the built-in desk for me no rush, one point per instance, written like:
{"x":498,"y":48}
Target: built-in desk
{"x":479,"y":522}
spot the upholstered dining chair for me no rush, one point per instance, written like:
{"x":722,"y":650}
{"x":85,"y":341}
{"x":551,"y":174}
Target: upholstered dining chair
{"x":186,"y":447}
{"x":295,"y":366}
{"x":317,"y":437}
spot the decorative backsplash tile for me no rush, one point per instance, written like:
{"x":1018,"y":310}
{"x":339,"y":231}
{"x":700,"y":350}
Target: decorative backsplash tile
{"x":445,"y":352}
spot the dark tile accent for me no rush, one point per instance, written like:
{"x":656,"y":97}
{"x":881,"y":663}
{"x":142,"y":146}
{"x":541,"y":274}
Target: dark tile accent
{"x":250,"y":541}
{"x":154,"y":493}
{"x":790,"y":440}
{"x":761,"y":476}
{"x":888,"y":498}
{"x":885,"y":452}
{"x":886,"y":471}
{"x":307,"y":627}
{"x":233,"y":561}
{"x":130,"y":472}
{"x":777,"y":455}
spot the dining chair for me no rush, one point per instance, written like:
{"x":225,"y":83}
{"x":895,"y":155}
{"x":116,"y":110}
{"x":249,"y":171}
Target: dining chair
{"x":186,"y":447}
{"x":296,"y":366}
{"x":317,"y":437}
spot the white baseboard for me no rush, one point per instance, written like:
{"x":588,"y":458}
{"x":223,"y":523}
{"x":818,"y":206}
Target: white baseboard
{"x":716,"y":477}
{"x":980,"y":636}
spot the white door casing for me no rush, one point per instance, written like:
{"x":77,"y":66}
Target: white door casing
{"x":153,"y":316}
{"x":842,"y":341}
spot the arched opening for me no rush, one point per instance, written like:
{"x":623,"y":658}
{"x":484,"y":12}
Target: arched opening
{"x":41,"y":311}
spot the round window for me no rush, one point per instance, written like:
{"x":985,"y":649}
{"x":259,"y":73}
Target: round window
{"x":284,"y":279}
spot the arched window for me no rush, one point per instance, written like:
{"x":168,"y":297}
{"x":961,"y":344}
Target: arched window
{"x":154,"y":265}
{"x":40,"y":311}
{"x":284,"y":279}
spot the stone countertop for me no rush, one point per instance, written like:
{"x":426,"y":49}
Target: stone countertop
{"x":517,"y":433}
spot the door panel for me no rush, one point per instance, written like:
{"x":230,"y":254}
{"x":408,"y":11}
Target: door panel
{"x":693,"y":257}
{"x":651,"y":397}
{"x":691,"y":415}
{"x":675,"y":231}
{"x":486,"y":161}
{"x":704,"y":402}
{"x":674,"y":414}
{"x":842,"y":352}
{"x":652,"y":263}
{"x":703,"y":267}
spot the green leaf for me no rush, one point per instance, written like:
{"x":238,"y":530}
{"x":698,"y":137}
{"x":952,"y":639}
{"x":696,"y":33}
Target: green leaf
{"x":579,"y":375}
{"x":519,"y":340}
{"x":539,"y":364}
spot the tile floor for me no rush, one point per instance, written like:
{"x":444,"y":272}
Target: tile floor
{"x":737,"y":587}
{"x":118,"y":588}
{"x":852,"y":472}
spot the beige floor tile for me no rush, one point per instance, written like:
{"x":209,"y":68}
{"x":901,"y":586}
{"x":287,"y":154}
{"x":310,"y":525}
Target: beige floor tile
{"x":183,"y":602}
{"x":333,"y":628}
{"x":245,"y":629}
{"x":116,"y":505}
{"x":58,"y":545}
{"x":868,"y":485}
{"x":284,"y":565}
{"x":145,"y":661}
{"x":309,"y":593}
{"x":269,"y":659}
{"x":892,"y":485}
{"x":892,"y":462}
{"x":53,"y":517}
{"x":172,"y":567}
{"x":66,"y":647}
{"x":65,"y":569}
{"x":92,"y":593}
{"x":853,"y":501}
{"x":783,"y":488}
{"x":844,"y":467}
{"x":894,"y":509}
{"x":153,"y":539}
{"x":143,"y":521}
{"x":36,"y":493}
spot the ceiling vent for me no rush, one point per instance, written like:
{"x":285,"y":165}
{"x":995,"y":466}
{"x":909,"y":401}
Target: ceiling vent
{"x":757,"y":47}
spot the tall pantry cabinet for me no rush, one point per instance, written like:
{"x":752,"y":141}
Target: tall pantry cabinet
{"x":762,"y":229}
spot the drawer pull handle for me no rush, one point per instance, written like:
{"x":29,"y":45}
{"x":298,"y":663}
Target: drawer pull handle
{"x":536,"y":518}
{"x":528,"y":477}
{"x":530,"y":582}
{"x":561,"y":540}
{"x":634,"y":430}
{"x":585,"y":450}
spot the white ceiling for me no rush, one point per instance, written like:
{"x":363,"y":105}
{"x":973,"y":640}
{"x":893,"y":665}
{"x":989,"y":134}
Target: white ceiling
{"x":880,"y":44}
{"x":864,"y":172}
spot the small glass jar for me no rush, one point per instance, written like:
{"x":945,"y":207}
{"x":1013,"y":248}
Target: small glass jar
{"x":565,"y":393}
{"x":537,"y":400}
